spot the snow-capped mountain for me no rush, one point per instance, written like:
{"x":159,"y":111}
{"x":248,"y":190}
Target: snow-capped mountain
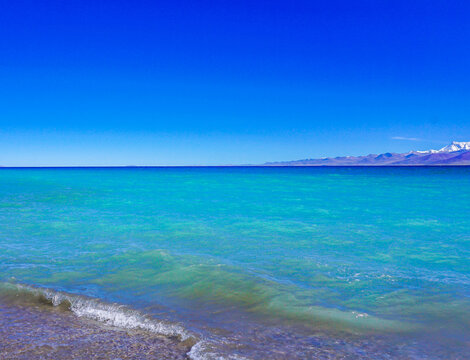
{"x":456,"y":153}
{"x":456,"y":146}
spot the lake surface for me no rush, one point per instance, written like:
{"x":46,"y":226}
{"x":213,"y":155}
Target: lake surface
{"x":247,"y":263}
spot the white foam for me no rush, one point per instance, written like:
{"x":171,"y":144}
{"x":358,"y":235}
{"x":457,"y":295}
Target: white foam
{"x":108,"y":313}
{"x":205,"y":350}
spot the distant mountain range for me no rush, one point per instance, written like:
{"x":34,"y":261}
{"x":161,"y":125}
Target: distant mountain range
{"x":457,"y":153}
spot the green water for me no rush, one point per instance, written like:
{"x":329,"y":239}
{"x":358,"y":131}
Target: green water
{"x":355,"y":252}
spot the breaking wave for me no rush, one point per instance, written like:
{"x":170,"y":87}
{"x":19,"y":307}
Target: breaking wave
{"x":116,"y":315}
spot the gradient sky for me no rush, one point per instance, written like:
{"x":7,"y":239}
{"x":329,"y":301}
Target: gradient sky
{"x":229,"y":82}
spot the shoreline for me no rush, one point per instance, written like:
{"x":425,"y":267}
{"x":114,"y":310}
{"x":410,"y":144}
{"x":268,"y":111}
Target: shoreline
{"x":39,"y":323}
{"x":46,"y":332}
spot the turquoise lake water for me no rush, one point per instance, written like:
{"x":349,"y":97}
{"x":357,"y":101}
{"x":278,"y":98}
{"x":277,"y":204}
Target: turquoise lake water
{"x":249,"y":262}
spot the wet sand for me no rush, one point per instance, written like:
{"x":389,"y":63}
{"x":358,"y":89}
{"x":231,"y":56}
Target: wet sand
{"x":45,"y":332}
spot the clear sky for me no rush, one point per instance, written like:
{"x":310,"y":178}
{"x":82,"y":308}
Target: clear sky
{"x":109,"y":82}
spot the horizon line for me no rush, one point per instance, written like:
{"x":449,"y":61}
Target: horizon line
{"x":227,"y":166}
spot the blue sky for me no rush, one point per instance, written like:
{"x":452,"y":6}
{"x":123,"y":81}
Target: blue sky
{"x":229,"y":82}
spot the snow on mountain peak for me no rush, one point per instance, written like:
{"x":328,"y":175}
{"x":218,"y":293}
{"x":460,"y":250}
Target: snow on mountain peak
{"x":456,"y":146}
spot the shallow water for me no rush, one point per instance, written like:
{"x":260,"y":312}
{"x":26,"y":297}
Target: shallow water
{"x":249,"y":262}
